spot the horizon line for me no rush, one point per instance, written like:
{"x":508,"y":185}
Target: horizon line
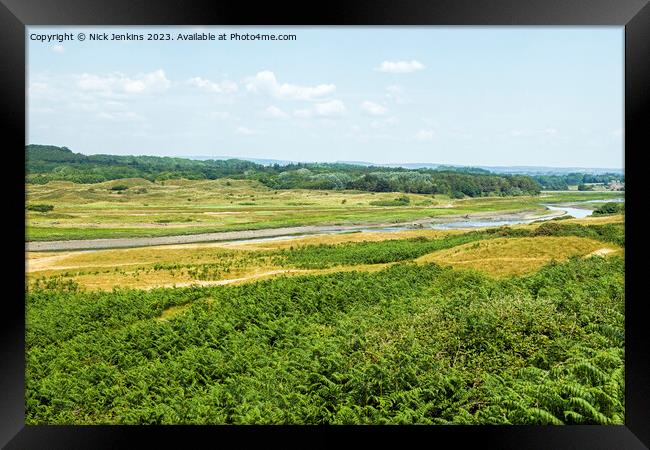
{"x":353,"y":162}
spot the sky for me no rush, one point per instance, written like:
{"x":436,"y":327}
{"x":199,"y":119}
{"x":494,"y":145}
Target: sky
{"x":496,"y":96}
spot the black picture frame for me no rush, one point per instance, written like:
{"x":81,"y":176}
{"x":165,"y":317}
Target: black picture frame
{"x":15,"y":15}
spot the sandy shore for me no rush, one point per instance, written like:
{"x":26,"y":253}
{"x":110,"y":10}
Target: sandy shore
{"x":86,"y":244}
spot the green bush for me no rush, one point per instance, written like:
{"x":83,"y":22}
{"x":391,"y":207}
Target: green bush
{"x":399,"y":201}
{"x":609,"y":208}
{"x":39,"y":208}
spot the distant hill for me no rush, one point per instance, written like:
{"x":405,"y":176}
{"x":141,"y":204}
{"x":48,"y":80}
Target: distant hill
{"x":261,"y":161}
{"x":540,"y":170}
{"x":47,"y":162}
{"x":44,"y":163}
{"x":520,"y":170}
{"x":515,"y":170}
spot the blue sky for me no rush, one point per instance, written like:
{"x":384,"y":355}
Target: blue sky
{"x":544,"y":96}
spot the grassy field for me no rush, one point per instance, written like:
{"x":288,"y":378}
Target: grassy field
{"x":177,"y":207}
{"x":517,"y":256}
{"x":246,"y":261}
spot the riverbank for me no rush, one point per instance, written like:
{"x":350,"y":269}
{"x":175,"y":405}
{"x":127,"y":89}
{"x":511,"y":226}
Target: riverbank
{"x":488,"y":218}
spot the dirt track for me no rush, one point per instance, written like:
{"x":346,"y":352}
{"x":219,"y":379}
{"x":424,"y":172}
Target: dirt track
{"x":85,"y":244}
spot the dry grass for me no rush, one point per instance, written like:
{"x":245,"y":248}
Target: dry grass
{"x":615,"y":218}
{"x":348,"y":237}
{"x":134,"y":267}
{"x":517,"y":256}
{"x":201,"y":253}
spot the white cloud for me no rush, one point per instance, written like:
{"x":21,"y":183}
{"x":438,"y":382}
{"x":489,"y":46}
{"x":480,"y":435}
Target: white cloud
{"x":58,"y":48}
{"x":118,"y":83}
{"x":374,"y":109}
{"x":266,"y":82}
{"x":220,"y":87}
{"x":331,"y":109}
{"x":425,"y":135}
{"x":273,"y":112}
{"x":245,"y":131}
{"x":400,"y":66}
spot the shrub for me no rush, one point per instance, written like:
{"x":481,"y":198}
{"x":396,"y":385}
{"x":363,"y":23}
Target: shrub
{"x":399,"y":201}
{"x":609,"y":208}
{"x":40,"y":208}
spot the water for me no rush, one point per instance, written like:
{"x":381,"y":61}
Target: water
{"x":613,"y":200}
{"x":573,"y":210}
{"x":578,"y":213}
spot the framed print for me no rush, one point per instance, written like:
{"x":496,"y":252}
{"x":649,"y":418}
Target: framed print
{"x":375,"y":219}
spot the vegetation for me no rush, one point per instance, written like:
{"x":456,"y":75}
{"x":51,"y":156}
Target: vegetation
{"x":504,"y":257}
{"x":409,"y":344}
{"x":355,"y":253}
{"x":499,"y":252}
{"x":562,"y":182}
{"x":49,"y":163}
{"x":507,"y":325}
{"x":399,"y":201}
{"x":91,"y":211}
{"x":610,"y":208}
{"x":39,"y":208}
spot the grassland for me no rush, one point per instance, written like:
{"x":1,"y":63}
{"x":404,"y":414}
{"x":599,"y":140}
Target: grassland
{"x":181,"y":207}
{"x":517,"y":256}
{"x":163,"y":266}
{"x":509,"y":325}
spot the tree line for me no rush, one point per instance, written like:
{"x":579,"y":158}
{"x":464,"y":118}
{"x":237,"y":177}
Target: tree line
{"x":50,"y":163}
{"x":562,"y":182}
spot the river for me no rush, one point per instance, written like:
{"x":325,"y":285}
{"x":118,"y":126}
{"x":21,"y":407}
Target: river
{"x":568,"y":209}
{"x":571,"y":209}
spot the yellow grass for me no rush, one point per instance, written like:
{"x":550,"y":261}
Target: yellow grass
{"x":615,"y":218}
{"x":201,"y":253}
{"x":105,"y":269}
{"x":517,"y":256}
{"x":171,"y":312}
{"x":347,"y":237}
{"x":133,"y":267}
